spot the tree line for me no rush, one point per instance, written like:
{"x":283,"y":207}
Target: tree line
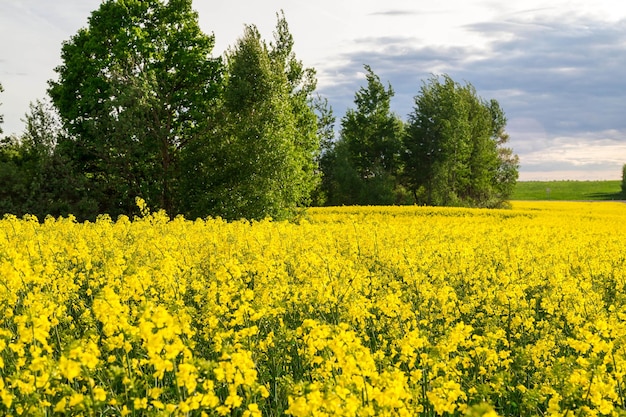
{"x":141,"y":108}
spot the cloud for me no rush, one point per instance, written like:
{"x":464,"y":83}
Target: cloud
{"x":394,"y":12}
{"x":567,"y":63}
{"x":559,"y":69}
{"x":562,"y":76}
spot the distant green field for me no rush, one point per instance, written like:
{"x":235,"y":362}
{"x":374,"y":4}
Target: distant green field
{"x":568,"y":190}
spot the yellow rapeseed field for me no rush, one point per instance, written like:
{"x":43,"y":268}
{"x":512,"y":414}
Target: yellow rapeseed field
{"x":369,"y":311}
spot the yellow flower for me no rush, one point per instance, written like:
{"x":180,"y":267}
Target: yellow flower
{"x":352,"y":311}
{"x":444,"y":396}
{"x":140,"y":403}
{"x":69,"y":368}
{"x":263,"y":391}
{"x":187,"y":376}
{"x":76,"y":399}
{"x":252,"y":411}
{"x":60,"y":405}
{"x":99,"y":394}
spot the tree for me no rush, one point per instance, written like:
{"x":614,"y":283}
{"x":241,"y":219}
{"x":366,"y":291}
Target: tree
{"x":57,"y":187}
{"x":134,"y":89}
{"x":325,"y":124}
{"x":437,"y":145}
{"x":341,"y":183}
{"x":25,"y":159}
{"x":300,"y":85}
{"x":454,"y":147}
{"x":326,"y":134}
{"x":42,"y":128}
{"x":507,"y":170}
{"x":261,"y":161}
{"x":14,"y":192}
{"x":370,"y":143}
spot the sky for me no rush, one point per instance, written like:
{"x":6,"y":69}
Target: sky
{"x":557,"y":67}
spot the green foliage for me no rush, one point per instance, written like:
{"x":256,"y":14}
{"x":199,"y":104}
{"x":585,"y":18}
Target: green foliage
{"x":23,"y":161}
{"x":364,"y":165}
{"x":624,"y":179}
{"x":14,"y":193}
{"x":38,"y":178}
{"x":341,"y":184}
{"x":134,"y":88}
{"x":454,"y":148}
{"x":150,"y":114}
{"x":326,"y":134}
{"x":260,"y":160}
{"x":42,"y":128}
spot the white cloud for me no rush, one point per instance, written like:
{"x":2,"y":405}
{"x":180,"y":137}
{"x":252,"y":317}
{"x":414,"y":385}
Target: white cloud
{"x":594,"y":155}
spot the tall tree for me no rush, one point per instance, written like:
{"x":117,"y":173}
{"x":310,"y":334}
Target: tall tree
{"x":301,"y":83}
{"x":370,"y":143}
{"x":42,"y":127}
{"x":134,"y":90}
{"x":57,"y":187}
{"x":325,"y":159}
{"x":24,"y":161}
{"x":454,"y":147}
{"x":261,"y":161}
{"x":437,"y":142}
{"x":507,"y":170}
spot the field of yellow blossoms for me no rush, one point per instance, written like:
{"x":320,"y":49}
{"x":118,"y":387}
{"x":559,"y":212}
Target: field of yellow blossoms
{"x":398,"y":311}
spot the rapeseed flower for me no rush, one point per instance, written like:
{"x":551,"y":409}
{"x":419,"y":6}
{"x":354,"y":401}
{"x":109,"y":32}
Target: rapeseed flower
{"x":366,"y":311}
